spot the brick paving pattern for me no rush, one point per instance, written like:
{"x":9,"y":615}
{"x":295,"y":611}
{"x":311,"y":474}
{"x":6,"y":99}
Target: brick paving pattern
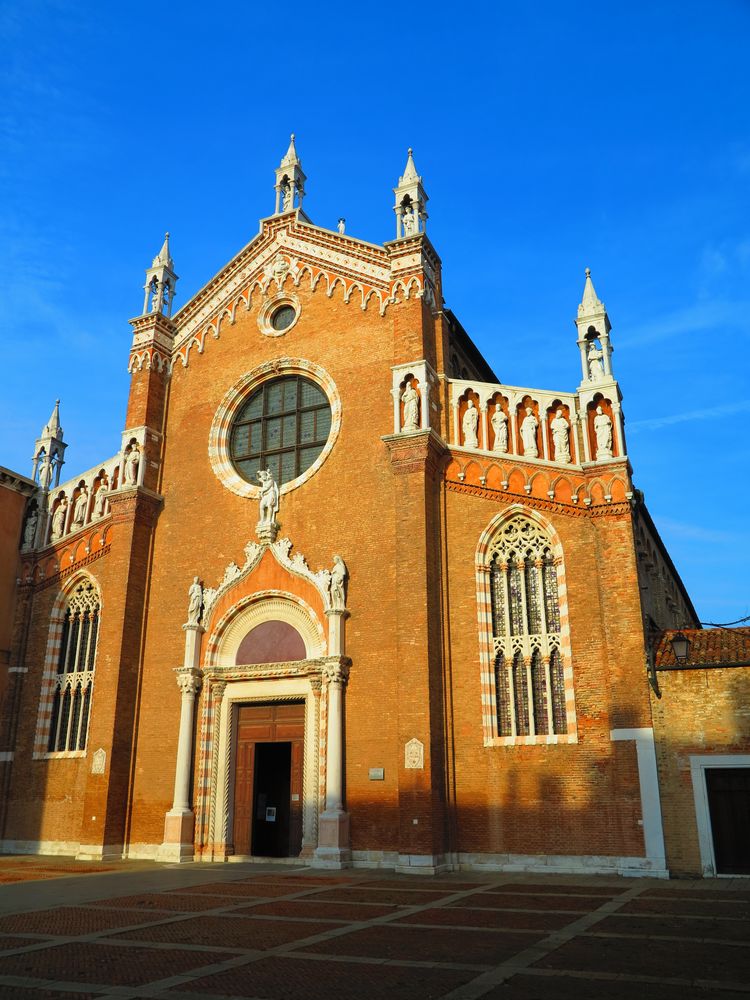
{"x":244,"y":931}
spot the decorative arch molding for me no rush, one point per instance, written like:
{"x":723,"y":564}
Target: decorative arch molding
{"x":254,"y":610}
{"x":52,"y":654}
{"x":218,"y":438}
{"x":483,"y":559}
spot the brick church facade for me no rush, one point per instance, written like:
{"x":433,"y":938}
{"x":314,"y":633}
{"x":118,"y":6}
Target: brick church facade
{"x":341,"y":594}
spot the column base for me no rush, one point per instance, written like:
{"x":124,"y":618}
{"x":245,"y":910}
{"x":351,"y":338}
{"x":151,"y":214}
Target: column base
{"x":333,"y":849}
{"x":179,"y":828}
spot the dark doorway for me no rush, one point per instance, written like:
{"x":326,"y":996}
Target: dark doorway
{"x":729,"y":805}
{"x":268,"y":780}
{"x":271,"y":799}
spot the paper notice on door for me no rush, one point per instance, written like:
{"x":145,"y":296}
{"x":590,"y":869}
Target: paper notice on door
{"x":271,"y":814}
{"x":295,"y":797}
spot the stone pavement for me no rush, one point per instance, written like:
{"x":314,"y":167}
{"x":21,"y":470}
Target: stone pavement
{"x":276,"y":932}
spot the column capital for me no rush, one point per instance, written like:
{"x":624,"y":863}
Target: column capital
{"x":336,"y":671}
{"x":189,"y":680}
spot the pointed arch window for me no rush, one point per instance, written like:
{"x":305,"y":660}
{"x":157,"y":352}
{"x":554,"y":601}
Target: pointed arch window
{"x":73,"y":680}
{"x":530,"y":696}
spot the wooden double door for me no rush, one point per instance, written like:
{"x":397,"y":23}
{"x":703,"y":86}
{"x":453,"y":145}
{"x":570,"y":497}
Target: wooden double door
{"x":268,"y":780}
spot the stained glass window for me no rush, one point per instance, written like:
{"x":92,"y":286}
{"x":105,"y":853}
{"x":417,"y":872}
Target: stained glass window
{"x":283,"y":427}
{"x":71,"y":703}
{"x":526,"y":632}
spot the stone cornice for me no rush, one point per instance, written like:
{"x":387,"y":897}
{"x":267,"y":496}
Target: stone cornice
{"x":16,"y":482}
{"x":137,"y":502}
{"x":415,"y":451}
{"x":538,"y":503}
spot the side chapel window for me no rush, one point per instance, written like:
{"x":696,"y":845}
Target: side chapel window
{"x":529,"y":682}
{"x":71,"y":702}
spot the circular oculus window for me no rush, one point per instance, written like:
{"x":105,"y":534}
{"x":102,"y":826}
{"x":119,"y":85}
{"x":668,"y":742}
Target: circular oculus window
{"x":283,"y":427}
{"x":278,"y":315}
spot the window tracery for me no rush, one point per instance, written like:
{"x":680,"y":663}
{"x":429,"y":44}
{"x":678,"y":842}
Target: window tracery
{"x":526,"y":632}
{"x":74,"y":680}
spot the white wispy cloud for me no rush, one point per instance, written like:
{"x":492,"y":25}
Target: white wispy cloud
{"x":653,"y":423}
{"x":695,"y":532}
{"x":704,"y":315}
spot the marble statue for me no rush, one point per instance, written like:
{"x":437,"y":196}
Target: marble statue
{"x":58,"y":518}
{"x":410,"y":399}
{"x":286,"y":191}
{"x":341,"y":226}
{"x":195,"y":602}
{"x":154,"y":289}
{"x":269,"y":497}
{"x":500,"y":427}
{"x":132,"y":460}
{"x":29,"y":530}
{"x":561,"y":437}
{"x":101,"y":498}
{"x":469,"y":425}
{"x":45,"y":473}
{"x":529,"y":427}
{"x":596,"y":370}
{"x":603,"y":431}
{"x":338,"y":581}
{"x":79,"y":508}
{"x":409,"y":221}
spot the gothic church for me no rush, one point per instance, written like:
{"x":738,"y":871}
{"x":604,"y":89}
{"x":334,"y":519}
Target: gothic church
{"x":338,"y":593}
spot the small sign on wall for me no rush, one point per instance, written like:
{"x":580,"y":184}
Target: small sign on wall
{"x":414,"y":755}
{"x":377,"y":774}
{"x":99,"y":761}
{"x":270,"y":814}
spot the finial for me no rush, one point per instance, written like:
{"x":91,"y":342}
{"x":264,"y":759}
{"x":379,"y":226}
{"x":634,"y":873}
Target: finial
{"x":409,"y":151}
{"x":292,"y":136}
{"x":588,"y":272}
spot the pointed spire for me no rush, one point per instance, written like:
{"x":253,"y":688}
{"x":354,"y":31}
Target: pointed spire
{"x":49,"y":451}
{"x":164,"y":258}
{"x":593,"y":335}
{"x":590,"y":303}
{"x":290,"y":181}
{"x":411,"y":199}
{"x":291,"y":153}
{"x":410,"y":171}
{"x":160,"y":282}
{"x":52,"y":428}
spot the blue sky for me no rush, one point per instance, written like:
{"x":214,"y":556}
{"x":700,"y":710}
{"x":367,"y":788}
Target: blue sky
{"x":550,"y":137}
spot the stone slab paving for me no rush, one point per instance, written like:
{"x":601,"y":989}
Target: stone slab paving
{"x":138,"y":931}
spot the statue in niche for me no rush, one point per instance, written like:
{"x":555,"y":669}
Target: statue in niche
{"x":58,"y":518}
{"x":410,"y":399}
{"x":529,"y":427}
{"x":132,"y":461}
{"x":154,"y":290}
{"x":195,"y":602}
{"x":603,"y":432}
{"x":79,"y":508}
{"x":101,"y":498}
{"x":596,"y":369}
{"x":269,"y":497}
{"x":560,"y":437}
{"x":409,"y":221}
{"x":29,"y":531}
{"x":500,"y":427}
{"x":45,"y":473}
{"x":469,"y":425}
{"x":338,"y":582}
{"x":286,"y":196}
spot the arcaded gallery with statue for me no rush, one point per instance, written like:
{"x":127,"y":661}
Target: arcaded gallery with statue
{"x":393,"y":613}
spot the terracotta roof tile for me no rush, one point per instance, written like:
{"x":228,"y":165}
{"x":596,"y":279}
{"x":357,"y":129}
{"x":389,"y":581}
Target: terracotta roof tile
{"x":708,"y":646}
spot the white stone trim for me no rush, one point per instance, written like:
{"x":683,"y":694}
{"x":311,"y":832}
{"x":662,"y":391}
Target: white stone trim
{"x":6,"y":755}
{"x":245,"y":692}
{"x":699,"y":764}
{"x":571,"y":864}
{"x":218,"y":438}
{"x":271,"y":606}
{"x":648,"y":779}
{"x":68,"y":848}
